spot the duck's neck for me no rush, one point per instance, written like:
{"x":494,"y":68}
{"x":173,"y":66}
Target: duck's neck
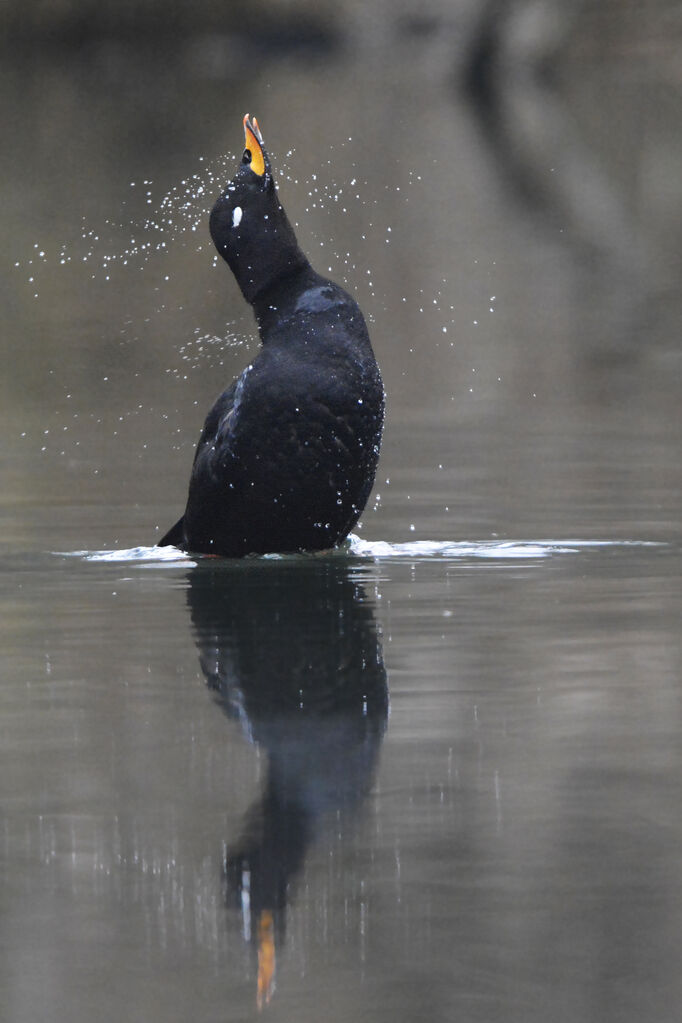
{"x":278,"y":301}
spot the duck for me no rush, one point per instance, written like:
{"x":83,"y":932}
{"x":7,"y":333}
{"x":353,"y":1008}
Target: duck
{"x":288,"y":453}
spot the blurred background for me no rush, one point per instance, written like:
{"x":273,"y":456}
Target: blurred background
{"x":499,"y":183}
{"x":197,"y":763}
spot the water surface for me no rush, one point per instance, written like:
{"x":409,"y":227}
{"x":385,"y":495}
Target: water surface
{"x":436,"y":774}
{"x":195,"y":751}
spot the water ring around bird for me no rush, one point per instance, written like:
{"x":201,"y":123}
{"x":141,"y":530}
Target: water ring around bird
{"x":380,"y":550}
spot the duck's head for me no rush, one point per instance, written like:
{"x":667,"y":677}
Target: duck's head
{"x":248,"y":224}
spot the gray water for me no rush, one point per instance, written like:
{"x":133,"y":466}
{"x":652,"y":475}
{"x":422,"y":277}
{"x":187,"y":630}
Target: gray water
{"x":436,"y":774}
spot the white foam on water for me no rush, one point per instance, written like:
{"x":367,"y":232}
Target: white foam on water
{"x":493,"y":549}
{"x":380,"y":550}
{"x":155,"y":555}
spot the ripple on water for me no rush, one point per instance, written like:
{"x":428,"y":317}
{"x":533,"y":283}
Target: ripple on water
{"x":379,"y":550}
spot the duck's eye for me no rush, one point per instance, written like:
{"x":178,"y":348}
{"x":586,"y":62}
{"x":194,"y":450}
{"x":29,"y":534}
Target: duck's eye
{"x":246,"y":158}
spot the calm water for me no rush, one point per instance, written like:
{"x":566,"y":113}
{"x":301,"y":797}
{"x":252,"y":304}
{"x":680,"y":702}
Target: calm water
{"x":437,"y":774}
{"x":190,"y":749}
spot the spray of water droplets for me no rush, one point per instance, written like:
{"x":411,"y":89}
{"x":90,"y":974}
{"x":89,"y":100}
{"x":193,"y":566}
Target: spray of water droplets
{"x":179,"y":213}
{"x":178,"y":218}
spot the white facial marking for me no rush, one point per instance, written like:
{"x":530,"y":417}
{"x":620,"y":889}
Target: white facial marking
{"x":236,"y":216}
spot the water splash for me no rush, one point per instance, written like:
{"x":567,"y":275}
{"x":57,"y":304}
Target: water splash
{"x":151,"y":224}
{"x":206,"y":349}
{"x":489,"y":549}
{"x":381,"y":550}
{"x":149,"y":555}
{"x":179,"y":213}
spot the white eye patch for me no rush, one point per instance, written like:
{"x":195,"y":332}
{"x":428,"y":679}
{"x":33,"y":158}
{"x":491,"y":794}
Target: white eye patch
{"x":236,"y":216}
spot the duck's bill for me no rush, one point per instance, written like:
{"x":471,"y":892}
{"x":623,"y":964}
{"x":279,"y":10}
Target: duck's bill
{"x":253,"y":141}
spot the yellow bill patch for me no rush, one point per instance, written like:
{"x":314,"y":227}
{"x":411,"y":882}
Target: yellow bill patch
{"x":266,"y":958}
{"x":253,"y":140}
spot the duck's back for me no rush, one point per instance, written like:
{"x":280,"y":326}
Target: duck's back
{"x":288,"y":454}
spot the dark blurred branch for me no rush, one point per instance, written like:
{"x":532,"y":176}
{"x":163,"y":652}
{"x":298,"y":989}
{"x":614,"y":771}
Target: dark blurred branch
{"x":513,"y":77}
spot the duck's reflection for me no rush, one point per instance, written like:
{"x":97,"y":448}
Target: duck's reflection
{"x":290,"y":650}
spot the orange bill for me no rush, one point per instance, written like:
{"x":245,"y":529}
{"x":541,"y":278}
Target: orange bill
{"x":266,"y":958}
{"x":254,"y":142}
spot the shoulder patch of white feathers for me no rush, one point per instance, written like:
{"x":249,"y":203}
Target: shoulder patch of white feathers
{"x":236,"y":216}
